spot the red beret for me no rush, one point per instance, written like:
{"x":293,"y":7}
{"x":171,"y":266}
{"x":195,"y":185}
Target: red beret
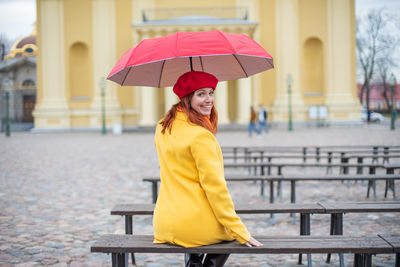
{"x":192,"y":81}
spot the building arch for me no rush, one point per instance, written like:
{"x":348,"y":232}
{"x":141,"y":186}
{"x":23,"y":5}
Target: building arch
{"x":312,"y":84}
{"x":28,"y":82}
{"x":80,"y":73}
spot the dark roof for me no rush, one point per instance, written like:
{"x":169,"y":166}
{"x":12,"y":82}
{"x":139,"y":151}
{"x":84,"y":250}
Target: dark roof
{"x":27,"y":40}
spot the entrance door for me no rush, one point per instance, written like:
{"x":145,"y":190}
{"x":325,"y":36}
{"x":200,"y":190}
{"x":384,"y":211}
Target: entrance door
{"x":29,"y":105}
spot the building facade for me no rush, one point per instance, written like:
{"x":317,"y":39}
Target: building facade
{"x":312,"y":41}
{"x":377,"y":99}
{"x":18,"y":69}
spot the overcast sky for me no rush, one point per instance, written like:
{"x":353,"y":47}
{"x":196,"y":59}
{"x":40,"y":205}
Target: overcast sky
{"x":18,"y":16}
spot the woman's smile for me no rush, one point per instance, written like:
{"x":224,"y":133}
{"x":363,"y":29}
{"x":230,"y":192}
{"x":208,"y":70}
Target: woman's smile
{"x":203,"y":101}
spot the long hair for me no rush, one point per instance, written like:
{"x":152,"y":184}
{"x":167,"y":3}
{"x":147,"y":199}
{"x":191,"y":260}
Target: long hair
{"x":193,"y":116}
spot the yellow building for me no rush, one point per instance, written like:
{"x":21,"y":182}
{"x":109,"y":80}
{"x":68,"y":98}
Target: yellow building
{"x":79,"y":42}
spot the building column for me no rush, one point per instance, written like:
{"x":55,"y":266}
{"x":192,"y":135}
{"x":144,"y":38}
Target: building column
{"x":341,"y":98}
{"x":170,"y":98}
{"x":221,"y":102}
{"x":104,"y":58}
{"x":148,"y":111}
{"x":149,"y":96}
{"x":244,"y":100}
{"x":52,"y":111}
{"x":287,"y":61}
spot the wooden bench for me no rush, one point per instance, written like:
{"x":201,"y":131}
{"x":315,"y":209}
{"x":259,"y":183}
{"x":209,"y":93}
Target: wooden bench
{"x":316,"y":152}
{"x":344,"y":167}
{"x":312,"y":149}
{"x":344,"y":158}
{"x":361,"y":246}
{"x":371,"y":178}
{"x":315,"y":148}
{"x":336,"y":210}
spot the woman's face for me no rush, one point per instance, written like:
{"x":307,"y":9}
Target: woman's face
{"x":203,"y":101}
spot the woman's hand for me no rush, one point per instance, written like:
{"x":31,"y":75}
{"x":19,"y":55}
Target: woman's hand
{"x":253,"y":243}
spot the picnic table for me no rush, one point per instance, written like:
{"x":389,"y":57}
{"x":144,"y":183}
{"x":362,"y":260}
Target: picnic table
{"x":336,"y":210}
{"x":293,"y":179}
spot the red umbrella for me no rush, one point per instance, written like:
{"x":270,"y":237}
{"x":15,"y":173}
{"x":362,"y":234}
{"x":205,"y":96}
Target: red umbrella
{"x":158,"y":62}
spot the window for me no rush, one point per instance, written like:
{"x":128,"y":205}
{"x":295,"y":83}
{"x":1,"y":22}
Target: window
{"x":28,"y":82}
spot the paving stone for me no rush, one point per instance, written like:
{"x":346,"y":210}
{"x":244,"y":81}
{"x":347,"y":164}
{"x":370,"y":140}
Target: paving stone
{"x":76,"y":264}
{"x":27,"y":264}
{"x":55,"y":245}
{"x":153,"y":264}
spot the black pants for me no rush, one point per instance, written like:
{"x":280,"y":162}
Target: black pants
{"x":206,"y":260}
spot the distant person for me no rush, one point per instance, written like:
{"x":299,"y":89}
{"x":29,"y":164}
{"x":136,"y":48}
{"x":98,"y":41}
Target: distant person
{"x":262,"y":120}
{"x":194,"y":207}
{"x":253,"y":122}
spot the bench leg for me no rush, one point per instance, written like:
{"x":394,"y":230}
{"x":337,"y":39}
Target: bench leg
{"x":371,"y":183}
{"x":292,"y":191}
{"x":129,"y":231}
{"x":309,"y":260}
{"x":155,"y":191}
{"x":397,"y":259}
{"x":121,"y":260}
{"x":390,"y":185}
{"x":386,"y":187}
{"x":118,"y":260}
{"x":114,"y":259}
{"x":305,"y":229}
{"x":262,"y":190}
{"x":362,"y":260}
{"x":271,"y":198}
{"x":336,"y":229}
{"x":269,"y":167}
{"x":279,"y":189}
{"x":293,"y":197}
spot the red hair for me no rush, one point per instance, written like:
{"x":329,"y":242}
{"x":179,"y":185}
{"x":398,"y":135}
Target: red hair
{"x":194,"y":117}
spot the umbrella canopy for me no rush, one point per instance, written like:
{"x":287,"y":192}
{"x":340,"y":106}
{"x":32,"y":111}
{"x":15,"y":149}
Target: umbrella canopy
{"x":158,"y":62}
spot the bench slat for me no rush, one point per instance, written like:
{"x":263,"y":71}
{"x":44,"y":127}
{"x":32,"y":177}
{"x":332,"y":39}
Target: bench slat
{"x":289,"y":164}
{"x":296,"y":244}
{"x":361,"y":207}
{"x":133,"y":209}
{"x":147,"y":209}
{"x":322,"y":177}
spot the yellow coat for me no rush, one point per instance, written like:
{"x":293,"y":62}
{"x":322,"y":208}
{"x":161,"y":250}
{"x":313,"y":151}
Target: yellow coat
{"x":194,"y":207}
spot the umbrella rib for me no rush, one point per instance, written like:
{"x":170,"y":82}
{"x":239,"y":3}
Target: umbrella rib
{"x":270,"y":62}
{"x":162,"y":68}
{"x":240,"y":64}
{"x":126,"y":76}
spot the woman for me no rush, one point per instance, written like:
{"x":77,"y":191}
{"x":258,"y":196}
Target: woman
{"x":194,"y":207}
{"x":252,"y":123}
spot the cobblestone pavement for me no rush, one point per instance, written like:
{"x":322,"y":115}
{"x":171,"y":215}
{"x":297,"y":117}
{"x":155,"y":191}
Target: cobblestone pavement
{"x":57,"y":190}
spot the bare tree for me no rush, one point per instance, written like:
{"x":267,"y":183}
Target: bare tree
{"x":385,"y":65}
{"x":373,"y":43}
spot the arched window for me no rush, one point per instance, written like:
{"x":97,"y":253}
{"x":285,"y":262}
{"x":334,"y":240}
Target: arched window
{"x":80,"y":73}
{"x":28,"y":82}
{"x":313,"y":68}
